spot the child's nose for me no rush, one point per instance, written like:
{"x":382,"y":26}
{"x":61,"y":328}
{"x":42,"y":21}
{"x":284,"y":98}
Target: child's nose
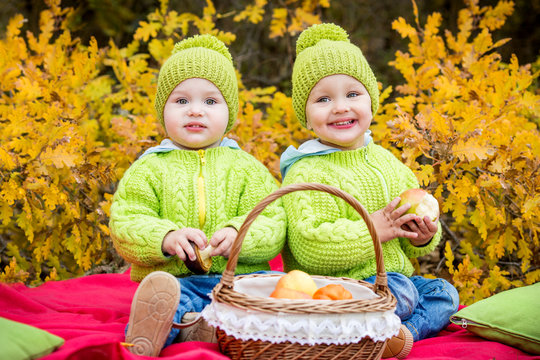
{"x":340,"y":106}
{"x":195,"y":110}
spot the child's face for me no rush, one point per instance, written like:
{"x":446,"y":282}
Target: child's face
{"x":196,"y":114}
{"x":338,"y":110}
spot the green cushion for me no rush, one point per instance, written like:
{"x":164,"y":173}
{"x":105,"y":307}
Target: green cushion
{"x":511,"y":317}
{"x":21,"y":341}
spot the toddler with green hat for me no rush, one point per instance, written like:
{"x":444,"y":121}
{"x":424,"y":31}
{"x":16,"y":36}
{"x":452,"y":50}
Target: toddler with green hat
{"x":193,"y":190}
{"x":335,"y":94}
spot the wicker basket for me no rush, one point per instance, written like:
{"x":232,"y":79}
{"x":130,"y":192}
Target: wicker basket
{"x":224,"y":293}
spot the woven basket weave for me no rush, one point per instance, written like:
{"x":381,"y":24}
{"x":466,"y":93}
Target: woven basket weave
{"x":257,"y":349}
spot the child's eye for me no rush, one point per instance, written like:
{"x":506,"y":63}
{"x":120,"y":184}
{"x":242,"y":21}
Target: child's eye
{"x":323,"y":99}
{"x":210,"y":102}
{"x":182,"y":101}
{"x":353,"y":94}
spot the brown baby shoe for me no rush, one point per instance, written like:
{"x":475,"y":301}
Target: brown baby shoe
{"x":195,"y":328}
{"x":152,"y":311}
{"x":400,"y":345}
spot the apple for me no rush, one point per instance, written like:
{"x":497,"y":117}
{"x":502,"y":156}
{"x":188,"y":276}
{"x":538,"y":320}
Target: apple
{"x":299,"y":281}
{"x":203,"y":262}
{"x":284,"y":293}
{"x":422,"y":203}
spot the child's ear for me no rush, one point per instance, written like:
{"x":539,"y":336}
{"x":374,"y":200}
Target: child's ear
{"x":308,"y":125}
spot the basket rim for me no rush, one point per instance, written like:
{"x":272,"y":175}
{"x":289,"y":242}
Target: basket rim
{"x":384,"y":302}
{"x":224,"y":291}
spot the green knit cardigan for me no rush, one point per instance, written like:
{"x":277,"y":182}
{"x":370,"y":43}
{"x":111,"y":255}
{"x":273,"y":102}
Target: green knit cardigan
{"x":159,"y":194}
{"x":328,"y":237}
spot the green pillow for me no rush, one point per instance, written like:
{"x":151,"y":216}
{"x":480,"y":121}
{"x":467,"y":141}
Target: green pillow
{"x":511,"y":317}
{"x":20,"y":341}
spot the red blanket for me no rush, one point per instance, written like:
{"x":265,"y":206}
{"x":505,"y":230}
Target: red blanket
{"x":91,"y":313}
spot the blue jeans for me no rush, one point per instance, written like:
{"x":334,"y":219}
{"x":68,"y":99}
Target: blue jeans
{"x":423,"y":305}
{"x":194,"y":296}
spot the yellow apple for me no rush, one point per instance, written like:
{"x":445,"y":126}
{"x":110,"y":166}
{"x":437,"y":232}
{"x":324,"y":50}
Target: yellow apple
{"x":299,"y":281}
{"x":422,"y":203}
{"x":284,"y":293}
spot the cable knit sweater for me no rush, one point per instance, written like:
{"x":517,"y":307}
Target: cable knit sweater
{"x":328,"y":237}
{"x":159,"y":193}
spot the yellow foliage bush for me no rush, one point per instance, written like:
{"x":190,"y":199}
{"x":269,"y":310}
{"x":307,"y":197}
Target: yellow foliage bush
{"x":466,"y":123}
{"x":74,"y":116}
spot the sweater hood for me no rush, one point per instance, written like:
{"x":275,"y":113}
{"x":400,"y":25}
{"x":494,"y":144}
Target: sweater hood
{"x":309,"y":148}
{"x":167,"y":145}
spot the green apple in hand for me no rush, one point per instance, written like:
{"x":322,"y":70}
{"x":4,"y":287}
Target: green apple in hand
{"x":422,"y":203}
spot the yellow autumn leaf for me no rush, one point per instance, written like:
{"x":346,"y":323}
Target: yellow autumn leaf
{"x":471,"y":150}
{"x":253,"y":12}
{"x":495,"y":18}
{"x":278,"y":25}
{"x":209,"y":9}
{"x":432,"y":25}
{"x":147,"y":30}
{"x":403,"y":28}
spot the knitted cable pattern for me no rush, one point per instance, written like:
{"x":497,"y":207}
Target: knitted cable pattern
{"x":158,"y":194}
{"x":325,"y":235}
{"x":323,"y":50}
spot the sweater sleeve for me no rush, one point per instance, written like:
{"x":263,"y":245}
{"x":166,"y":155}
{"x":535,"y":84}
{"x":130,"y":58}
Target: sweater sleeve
{"x":325,"y":235}
{"x":136,"y":226}
{"x":266,"y":235}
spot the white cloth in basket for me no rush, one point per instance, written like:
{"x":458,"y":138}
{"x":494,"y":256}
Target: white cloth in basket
{"x":303,"y":329}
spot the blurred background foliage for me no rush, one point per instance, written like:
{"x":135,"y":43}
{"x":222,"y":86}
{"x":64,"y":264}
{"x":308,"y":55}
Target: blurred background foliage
{"x":368,"y":23}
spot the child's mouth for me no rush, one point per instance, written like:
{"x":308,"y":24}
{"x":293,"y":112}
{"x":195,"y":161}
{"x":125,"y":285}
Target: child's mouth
{"x":343,"y":124}
{"x":195,"y":126}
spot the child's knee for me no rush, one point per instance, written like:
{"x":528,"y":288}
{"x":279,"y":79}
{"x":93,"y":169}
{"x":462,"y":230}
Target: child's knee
{"x":443,"y":289}
{"x":452,"y":294}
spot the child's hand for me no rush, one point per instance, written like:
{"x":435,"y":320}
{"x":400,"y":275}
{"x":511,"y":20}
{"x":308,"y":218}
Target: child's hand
{"x":177,"y":243}
{"x":222,"y":241}
{"x":425,"y":228}
{"x":389,"y":221}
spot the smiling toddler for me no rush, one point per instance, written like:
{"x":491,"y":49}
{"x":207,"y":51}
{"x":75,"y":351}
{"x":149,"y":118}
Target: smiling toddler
{"x":335,"y":94}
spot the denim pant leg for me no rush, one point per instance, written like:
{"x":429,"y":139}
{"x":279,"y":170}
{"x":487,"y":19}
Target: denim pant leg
{"x":438,"y":301}
{"x":404,"y":291}
{"x":194,"y":296}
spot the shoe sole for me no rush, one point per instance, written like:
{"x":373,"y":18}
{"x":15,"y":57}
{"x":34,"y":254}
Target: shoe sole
{"x":152,"y":311}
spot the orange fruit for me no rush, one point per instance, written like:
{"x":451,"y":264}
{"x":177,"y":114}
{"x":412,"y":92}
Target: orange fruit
{"x":332,"y":292}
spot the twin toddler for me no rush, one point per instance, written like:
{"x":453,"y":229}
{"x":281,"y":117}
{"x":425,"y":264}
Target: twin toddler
{"x":197,"y":186}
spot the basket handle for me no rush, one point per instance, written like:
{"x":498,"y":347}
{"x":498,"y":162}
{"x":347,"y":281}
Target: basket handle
{"x":228,"y":275}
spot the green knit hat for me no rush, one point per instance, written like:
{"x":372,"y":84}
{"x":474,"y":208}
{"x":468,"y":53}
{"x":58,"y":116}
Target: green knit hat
{"x":323,"y":50}
{"x":200,"y":56}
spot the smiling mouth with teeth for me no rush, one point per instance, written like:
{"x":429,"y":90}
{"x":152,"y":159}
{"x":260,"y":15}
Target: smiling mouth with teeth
{"x":343,"y":123}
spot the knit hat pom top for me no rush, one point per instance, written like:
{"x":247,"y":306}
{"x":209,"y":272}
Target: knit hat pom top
{"x":323,"y":50}
{"x":205,"y":41}
{"x":204,"y":57}
{"x":312,"y":35}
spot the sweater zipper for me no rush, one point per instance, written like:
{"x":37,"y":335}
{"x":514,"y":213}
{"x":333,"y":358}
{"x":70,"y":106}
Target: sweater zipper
{"x":387,"y":197}
{"x":201,"y":193}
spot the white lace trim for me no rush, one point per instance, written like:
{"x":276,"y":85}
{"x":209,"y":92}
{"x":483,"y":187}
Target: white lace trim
{"x":303,"y":329}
